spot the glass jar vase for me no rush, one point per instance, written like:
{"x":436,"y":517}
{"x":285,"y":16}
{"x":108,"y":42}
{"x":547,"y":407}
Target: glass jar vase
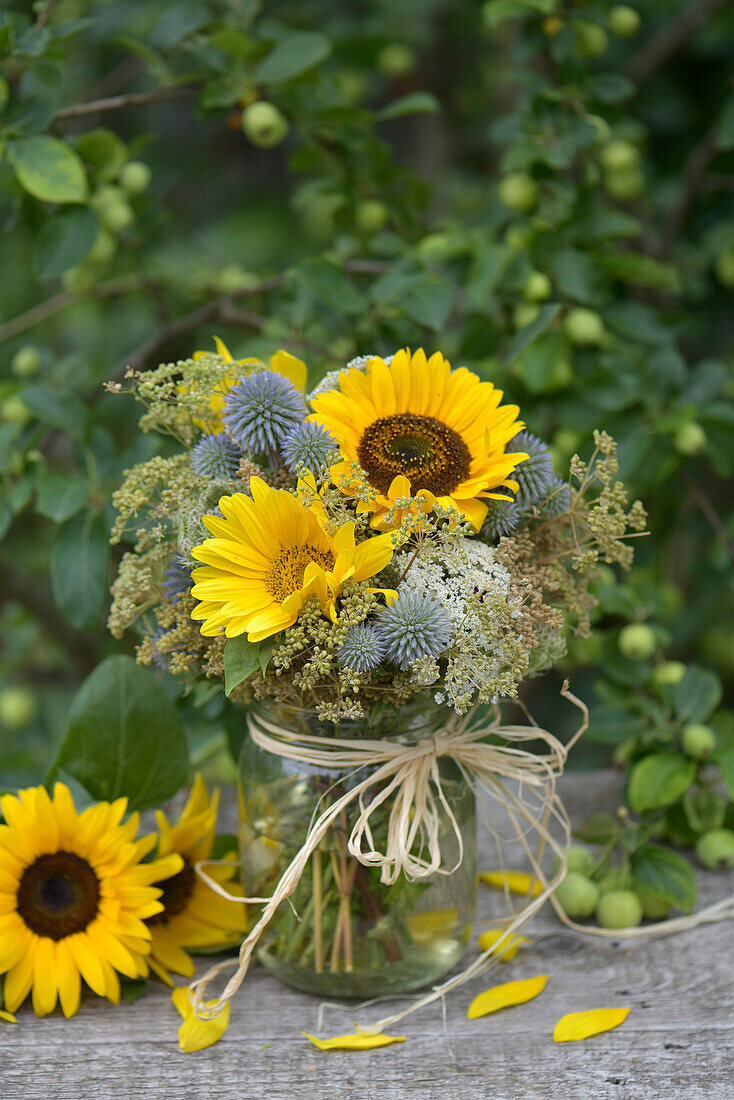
{"x":345,"y":933}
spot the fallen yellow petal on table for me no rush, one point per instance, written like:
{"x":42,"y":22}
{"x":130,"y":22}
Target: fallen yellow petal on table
{"x":510,"y":946}
{"x":582,"y":1025}
{"x":504,"y":996}
{"x":195,"y":1034}
{"x":358,"y":1041}
{"x":517,"y":882}
{"x":8,"y":1016}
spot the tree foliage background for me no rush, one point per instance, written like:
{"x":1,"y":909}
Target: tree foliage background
{"x":540,"y":189}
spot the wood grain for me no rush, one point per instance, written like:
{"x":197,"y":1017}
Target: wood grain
{"x":677,"y":1042}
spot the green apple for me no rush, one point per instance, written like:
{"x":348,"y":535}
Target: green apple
{"x":538,"y":287}
{"x":668,"y":674}
{"x":698,"y":741}
{"x":371,"y":216}
{"x":524,"y":314}
{"x":619,"y":909}
{"x":577,"y":895}
{"x":637,"y":642}
{"x":591,"y":39}
{"x":715,"y":849}
{"x":653,"y":908}
{"x":724,"y":267}
{"x":18,"y":708}
{"x":264,"y":124}
{"x":618,"y":155}
{"x":519,"y":191}
{"x":584,"y":327}
{"x":135,"y":177}
{"x":624,"y":21}
{"x":26,"y":362}
{"x":396,"y":60}
{"x":13,"y":410}
{"x":690,"y":439}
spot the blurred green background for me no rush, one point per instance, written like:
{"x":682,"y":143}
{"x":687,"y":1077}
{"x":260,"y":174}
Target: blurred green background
{"x":544,"y":191}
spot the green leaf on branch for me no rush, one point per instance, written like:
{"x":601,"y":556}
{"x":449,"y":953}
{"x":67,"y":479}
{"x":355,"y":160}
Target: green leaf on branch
{"x":328,"y":282}
{"x":242,"y":658}
{"x":610,"y":725}
{"x":412,"y":104}
{"x":632,"y":267}
{"x":724,"y":757}
{"x":659,"y":779}
{"x":427,"y":301}
{"x":60,"y":410}
{"x":103,"y":151}
{"x":79,"y":569}
{"x":60,"y":497}
{"x":666,"y":874}
{"x":292,"y":55}
{"x":124,"y":737}
{"x":48,"y":169}
{"x":525,"y":336}
{"x":65,"y":240}
{"x":697,"y":695}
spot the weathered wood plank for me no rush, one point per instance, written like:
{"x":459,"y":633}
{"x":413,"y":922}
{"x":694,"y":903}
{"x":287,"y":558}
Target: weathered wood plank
{"x":677,"y":1042}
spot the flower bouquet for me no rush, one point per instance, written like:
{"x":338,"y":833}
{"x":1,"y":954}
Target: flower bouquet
{"x":369,"y":567}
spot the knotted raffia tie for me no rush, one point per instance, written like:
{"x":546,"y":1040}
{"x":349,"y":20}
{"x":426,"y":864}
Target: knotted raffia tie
{"x":407,"y":777}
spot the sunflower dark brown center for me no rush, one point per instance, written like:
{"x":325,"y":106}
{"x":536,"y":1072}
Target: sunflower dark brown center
{"x":58,"y":895}
{"x":428,"y":452}
{"x":177,"y":892}
{"x":286,"y":573}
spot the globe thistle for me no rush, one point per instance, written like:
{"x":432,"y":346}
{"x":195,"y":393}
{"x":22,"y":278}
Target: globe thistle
{"x":556,"y":500}
{"x":363,"y":648}
{"x":307,"y":446}
{"x":415,"y":626}
{"x":215,"y":457}
{"x":176,"y":580}
{"x":535,"y":475}
{"x":261,"y":409}
{"x":502,"y":518}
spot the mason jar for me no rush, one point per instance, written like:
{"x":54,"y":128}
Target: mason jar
{"x":343,"y":932}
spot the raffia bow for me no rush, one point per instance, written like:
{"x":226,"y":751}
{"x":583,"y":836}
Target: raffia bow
{"x":408,"y":775}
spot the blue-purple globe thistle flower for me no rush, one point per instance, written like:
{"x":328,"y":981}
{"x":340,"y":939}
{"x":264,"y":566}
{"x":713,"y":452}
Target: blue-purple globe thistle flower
{"x":415,"y":626}
{"x":308,"y":446}
{"x":261,"y":409}
{"x":502,"y":518}
{"x":363,"y":648}
{"x":535,"y":475}
{"x":176,"y":580}
{"x":215,"y":457}
{"x":556,"y":500}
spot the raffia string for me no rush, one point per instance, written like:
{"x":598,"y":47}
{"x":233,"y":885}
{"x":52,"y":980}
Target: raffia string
{"x":523,"y":783}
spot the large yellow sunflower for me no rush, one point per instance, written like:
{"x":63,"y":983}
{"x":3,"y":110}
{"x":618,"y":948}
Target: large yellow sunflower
{"x":193,"y":915}
{"x":282,"y":362}
{"x":418,"y":428}
{"x":269,"y":554}
{"x":74,"y":896}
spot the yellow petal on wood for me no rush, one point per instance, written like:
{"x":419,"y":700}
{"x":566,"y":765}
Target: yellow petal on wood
{"x":582,"y":1025}
{"x":8,"y":1017}
{"x":504,"y":996}
{"x":517,"y":882}
{"x":510,"y":945}
{"x":430,"y":925}
{"x":358,"y":1041}
{"x":195,"y":1034}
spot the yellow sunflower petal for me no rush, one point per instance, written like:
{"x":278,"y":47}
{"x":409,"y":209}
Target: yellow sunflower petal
{"x":510,"y":946}
{"x":517,"y":882}
{"x":195,"y":1034}
{"x":505,"y":996}
{"x":8,"y":1017}
{"x":358,"y":1041}
{"x":582,"y":1025}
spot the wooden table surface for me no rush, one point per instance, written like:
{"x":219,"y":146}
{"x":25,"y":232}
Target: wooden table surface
{"x":678,"y":1040}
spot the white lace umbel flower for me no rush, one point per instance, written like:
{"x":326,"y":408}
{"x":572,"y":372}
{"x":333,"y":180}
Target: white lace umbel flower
{"x":487,"y":655}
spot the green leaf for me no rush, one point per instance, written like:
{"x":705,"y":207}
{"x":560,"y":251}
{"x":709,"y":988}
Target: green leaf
{"x":241,"y":659}
{"x":598,"y":829}
{"x":659,"y":779}
{"x":103,"y":151}
{"x":131,"y":989}
{"x":665,"y":874}
{"x":292,"y":55}
{"x":610,"y":725}
{"x":546,"y":360}
{"x":59,"y":497}
{"x":725,"y":128}
{"x":412,"y":104}
{"x":497,"y":12}
{"x":576,"y":276}
{"x":641,"y":270}
{"x":427,"y":300}
{"x":48,"y":169}
{"x":525,"y":336}
{"x":60,"y":410}
{"x":697,"y":695}
{"x":65,"y":240}
{"x":724,"y":757}
{"x":704,"y":809}
{"x":124,"y":736}
{"x":612,"y":87}
{"x":328,"y":282}
{"x":79,"y":568}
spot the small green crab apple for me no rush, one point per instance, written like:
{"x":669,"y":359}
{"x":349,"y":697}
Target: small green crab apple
{"x":538,"y":287}
{"x":519,"y":192}
{"x":135,"y":177}
{"x":584,"y":327}
{"x":637,"y":642}
{"x":26,"y":362}
{"x":577,"y":895}
{"x":624,"y":21}
{"x":264,"y":124}
{"x":715,"y":849}
{"x":698,"y":741}
{"x":690,"y":439}
{"x":619,"y":909}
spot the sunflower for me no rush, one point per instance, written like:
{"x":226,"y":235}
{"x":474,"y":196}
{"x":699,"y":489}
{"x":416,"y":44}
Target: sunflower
{"x":74,"y":896}
{"x":282,"y":362}
{"x":269,"y":554}
{"x":193,"y":915}
{"x":417,"y":425}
